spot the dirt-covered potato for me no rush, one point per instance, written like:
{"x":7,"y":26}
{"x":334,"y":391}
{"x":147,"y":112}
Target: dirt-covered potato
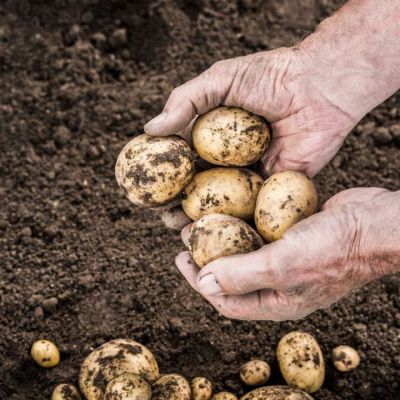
{"x":276,"y":393}
{"x":345,"y":358}
{"x":284,"y":199}
{"x":175,"y":218}
{"x":65,"y":391}
{"x":171,"y":387}
{"x":230,"y":136}
{"x":113,"y":359}
{"x":224,"y":396}
{"x":152,"y":171}
{"x":201,"y":388}
{"x":128,"y":387}
{"x":218,"y":235}
{"x":255,"y":372}
{"x":231,"y":191}
{"x":301,"y":361}
{"x":45,"y":353}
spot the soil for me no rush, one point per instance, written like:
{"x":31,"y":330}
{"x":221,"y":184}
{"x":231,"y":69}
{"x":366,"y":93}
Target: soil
{"x":79,"y":264}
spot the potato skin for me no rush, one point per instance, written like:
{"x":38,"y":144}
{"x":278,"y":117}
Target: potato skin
{"x":301,"y":361}
{"x":175,"y":218}
{"x":230,"y":136}
{"x":45,"y":353}
{"x":276,"y":393}
{"x":224,"y":396}
{"x":171,"y":387}
{"x":255,"y":372}
{"x":218,"y":235}
{"x":201,"y":388}
{"x":112,"y":359}
{"x":285,"y":199}
{"x":152,"y":171}
{"x":345,"y":358}
{"x":65,"y":391}
{"x":231,"y":191}
{"x":128,"y":387}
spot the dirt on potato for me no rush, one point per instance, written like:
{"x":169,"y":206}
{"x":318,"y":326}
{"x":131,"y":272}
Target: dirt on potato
{"x":79,"y":265}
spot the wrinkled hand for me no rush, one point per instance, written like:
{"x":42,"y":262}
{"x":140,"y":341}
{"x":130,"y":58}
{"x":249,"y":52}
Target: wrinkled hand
{"x":319,"y":260}
{"x":282,"y":87}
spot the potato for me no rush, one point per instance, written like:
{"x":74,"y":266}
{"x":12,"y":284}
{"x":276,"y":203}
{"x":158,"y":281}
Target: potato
{"x":231,"y":191}
{"x":230,"y":136}
{"x":65,"y":391}
{"x":224,"y":396}
{"x":45,"y":353}
{"x":285,"y":199}
{"x":345,"y":358}
{"x":255,"y":372}
{"x":113,"y":359}
{"x":276,"y":393}
{"x":301,"y":361}
{"x":201,"y":388}
{"x":171,"y":387}
{"x":175,"y":218}
{"x":128,"y":387}
{"x":218,"y":235}
{"x":152,"y":171}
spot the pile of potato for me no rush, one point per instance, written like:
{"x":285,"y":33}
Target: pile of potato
{"x":227,"y":200}
{"x":124,"y":369}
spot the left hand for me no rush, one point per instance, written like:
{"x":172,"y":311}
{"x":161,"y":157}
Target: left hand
{"x":318,"y":261}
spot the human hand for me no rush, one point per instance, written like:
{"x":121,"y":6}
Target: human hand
{"x":353,"y":240}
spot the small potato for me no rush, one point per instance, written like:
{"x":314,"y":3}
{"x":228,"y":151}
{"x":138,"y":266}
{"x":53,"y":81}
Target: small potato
{"x":45,"y":353}
{"x":201,"y":389}
{"x":230,"y":136}
{"x":111,"y":360}
{"x":276,"y":393}
{"x":285,"y":199}
{"x":345,"y":358}
{"x":128,"y":387}
{"x":255,"y":372}
{"x":231,"y":191}
{"x":65,"y":391}
{"x":301,"y":361}
{"x":152,"y":171}
{"x":218,"y":235}
{"x":175,"y":218}
{"x":224,"y":396}
{"x":171,"y":387}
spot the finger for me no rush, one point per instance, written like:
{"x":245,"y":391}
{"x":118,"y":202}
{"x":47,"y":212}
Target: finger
{"x":188,"y":268}
{"x":185,"y":235}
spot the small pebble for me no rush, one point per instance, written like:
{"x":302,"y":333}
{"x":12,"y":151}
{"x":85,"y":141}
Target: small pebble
{"x":62,"y":135}
{"x":118,"y":38}
{"x":99,"y":40}
{"x":382,"y":135}
{"x":38,"y":313}
{"x":93,"y":152}
{"x":50,"y":304}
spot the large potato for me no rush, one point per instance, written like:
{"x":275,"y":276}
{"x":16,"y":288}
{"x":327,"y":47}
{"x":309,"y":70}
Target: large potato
{"x":231,"y":191}
{"x":128,"y":387}
{"x":218,"y":235}
{"x":230,"y":136}
{"x":284,"y":199}
{"x":276,"y":393}
{"x":65,"y":391}
{"x":152,"y":171}
{"x":113,"y":359}
{"x":171,"y":387}
{"x":301,"y":361}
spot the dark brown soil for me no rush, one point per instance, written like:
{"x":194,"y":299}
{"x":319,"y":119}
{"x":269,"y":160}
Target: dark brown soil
{"x":79,"y":264}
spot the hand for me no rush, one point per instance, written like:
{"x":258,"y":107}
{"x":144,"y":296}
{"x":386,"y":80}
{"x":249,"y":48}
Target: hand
{"x":279,"y":85}
{"x":318,"y":261}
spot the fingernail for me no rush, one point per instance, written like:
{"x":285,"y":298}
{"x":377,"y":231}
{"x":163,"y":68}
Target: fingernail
{"x":157,"y":120}
{"x":209,"y":286}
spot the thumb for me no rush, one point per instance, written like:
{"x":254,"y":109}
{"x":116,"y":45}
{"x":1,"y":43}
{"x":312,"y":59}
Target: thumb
{"x":244,"y":273}
{"x":195,"y":97}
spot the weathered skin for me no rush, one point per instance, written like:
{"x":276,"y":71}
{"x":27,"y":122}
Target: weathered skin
{"x":276,"y":393}
{"x":171,"y":387}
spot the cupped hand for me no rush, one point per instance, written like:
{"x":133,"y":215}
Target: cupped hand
{"x":279,"y":85}
{"x":318,"y":261}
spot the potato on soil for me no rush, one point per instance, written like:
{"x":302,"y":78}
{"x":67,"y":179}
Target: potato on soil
{"x":128,"y":387}
{"x":301,"y":361}
{"x":345,"y":358}
{"x":152,"y":171}
{"x":231,"y":191}
{"x":276,"y":393}
{"x":218,"y":235}
{"x":284,"y":199}
{"x":255,"y":372}
{"x":230,"y":136}
{"x":45,"y":353}
{"x":201,"y":388}
{"x":171,"y":387}
{"x":65,"y":391}
{"x":224,"y":396}
{"x":111,"y":360}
